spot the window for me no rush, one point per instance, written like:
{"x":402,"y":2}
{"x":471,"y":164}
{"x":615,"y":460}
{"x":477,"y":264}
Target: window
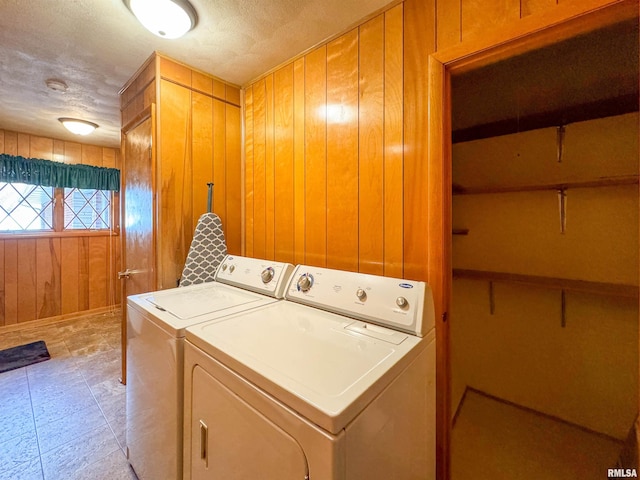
{"x":29,"y":208}
{"x":39,"y":195}
{"x":25,"y":207}
{"x":87,"y":209}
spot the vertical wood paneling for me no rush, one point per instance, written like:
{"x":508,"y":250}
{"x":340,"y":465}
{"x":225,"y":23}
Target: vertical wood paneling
{"x":72,"y":153}
{"x":41,"y":147}
{"x":269,"y":171}
{"x":202,"y":152}
{"x":315,"y":127}
{"x":259,"y":164}
{"x":233,"y":179}
{"x":175,"y":223}
{"x":284,"y":166}
{"x":342,"y":152}
{"x":109,"y":158}
{"x":10,"y":143}
{"x":219,"y":89}
{"x":27,"y":280}
{"x":202,"y":83}
{"x":248,"y":172}
{"x":41,"y":277}
{"x":70,"y":275}
{"x":58,"y":151}
{"x":220,"y":161}
{"x":98,"y":267}
{"x":393,"y":144}
{"x":48,"y":288}
{"x":449,"y":23}
{"x":10,"y":282}
{"x":24,"y":145}
{"x":371,"y":152}
{"x":299,"y":161}
{"x":83,"y":273}
{"x":419,"y":41}
{"x":480,"y":16}
{"x":91,"y":155}
{"x":530,"y":7}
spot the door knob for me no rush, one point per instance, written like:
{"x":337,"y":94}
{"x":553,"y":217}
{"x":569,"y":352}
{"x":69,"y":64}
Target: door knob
{"x":126,"y":274}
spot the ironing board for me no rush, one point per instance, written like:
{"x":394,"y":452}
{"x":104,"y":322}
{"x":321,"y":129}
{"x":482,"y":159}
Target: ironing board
{"x":207,"y":250}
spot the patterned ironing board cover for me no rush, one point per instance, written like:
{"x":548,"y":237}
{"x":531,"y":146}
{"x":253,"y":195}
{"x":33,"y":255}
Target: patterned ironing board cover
{"x":207,"y":250}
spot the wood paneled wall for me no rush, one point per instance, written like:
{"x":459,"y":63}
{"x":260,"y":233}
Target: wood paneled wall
{"x":469,"y":20}
{"x":197,"y":141}
{"x":57,"y":274}
{"x":333,"y":155}
{"x":372,"y":193}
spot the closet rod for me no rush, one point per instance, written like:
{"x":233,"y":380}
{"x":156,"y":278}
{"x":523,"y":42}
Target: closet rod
{"x":600,"y":182}
{"x":598,"y":288}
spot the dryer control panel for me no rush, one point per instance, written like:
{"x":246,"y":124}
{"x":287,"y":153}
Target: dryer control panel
{"x":262,"y":276}
{"x":395,"y":303}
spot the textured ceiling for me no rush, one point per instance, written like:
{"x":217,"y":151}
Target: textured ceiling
{"x":95,"y":46}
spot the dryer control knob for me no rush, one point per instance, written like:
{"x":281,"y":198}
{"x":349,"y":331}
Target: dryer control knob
{"x":232,"y":268}
{"x":361,"y":294}
{"x":224,"y":267}
{"x":305,"y":282}
{"x":402,"y":302}
{"x":267,"y":275}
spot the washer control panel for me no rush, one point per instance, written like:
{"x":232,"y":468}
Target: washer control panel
{"x":400,"y":304}
{"x":262,"y":276}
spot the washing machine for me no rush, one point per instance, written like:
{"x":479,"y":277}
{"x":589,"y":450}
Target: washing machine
{"x":336,"y":382}
{"x":156,"y":324}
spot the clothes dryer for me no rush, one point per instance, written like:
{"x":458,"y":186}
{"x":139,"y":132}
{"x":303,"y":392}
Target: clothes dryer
{"x":156,"y":324}
{"x":337,"y":382}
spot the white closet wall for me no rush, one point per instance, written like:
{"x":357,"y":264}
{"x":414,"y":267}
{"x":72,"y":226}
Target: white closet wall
{"x":574,"y":359}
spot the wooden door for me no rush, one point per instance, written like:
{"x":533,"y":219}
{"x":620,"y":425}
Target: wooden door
{"x":138,"y":264}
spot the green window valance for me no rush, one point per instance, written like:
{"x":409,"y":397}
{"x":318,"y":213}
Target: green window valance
{"x":35,"y":171}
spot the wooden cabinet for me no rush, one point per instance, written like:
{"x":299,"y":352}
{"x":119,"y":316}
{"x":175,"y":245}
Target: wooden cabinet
{"x":195,"y":140}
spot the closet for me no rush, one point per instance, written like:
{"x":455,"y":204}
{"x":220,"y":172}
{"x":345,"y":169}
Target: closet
{"x":544,"y":312}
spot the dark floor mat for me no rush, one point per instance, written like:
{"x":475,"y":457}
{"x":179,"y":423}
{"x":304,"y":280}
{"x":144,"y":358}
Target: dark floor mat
{"x":23,"y":355}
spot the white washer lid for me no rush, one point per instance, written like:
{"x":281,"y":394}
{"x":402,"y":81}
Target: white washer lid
{"x":305,"y":357}
{"x":175,"y":309}
{"x":187,"y":303}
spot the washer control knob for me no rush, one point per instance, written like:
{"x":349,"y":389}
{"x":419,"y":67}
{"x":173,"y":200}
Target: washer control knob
{"x":305,"y":282}
{"x":232,"y":268}
{"x":361,"y":294}
{"x":267,"y":275}
{"x":402,"y":302}
{"x":224,"y":267}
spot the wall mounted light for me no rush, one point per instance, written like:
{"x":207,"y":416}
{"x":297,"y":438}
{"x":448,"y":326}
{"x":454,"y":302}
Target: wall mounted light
{"x":165,"y":18}
{"x":79,"y":127}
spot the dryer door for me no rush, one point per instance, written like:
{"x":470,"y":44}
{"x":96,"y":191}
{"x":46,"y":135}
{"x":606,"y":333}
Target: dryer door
{"x":230,"y":440}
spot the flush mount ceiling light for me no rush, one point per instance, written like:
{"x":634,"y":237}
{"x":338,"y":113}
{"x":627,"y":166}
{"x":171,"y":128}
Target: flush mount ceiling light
{"x":165,"y":18}
{"x":79,"y":127}
{"x":56,"y":85}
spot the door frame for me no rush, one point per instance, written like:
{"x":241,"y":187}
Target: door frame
{"x":562,"y":22}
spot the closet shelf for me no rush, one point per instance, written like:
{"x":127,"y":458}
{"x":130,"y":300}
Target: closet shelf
{"x":600,"y":182}
{"x":599,"y":288}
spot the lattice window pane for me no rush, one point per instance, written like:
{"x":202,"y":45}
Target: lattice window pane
{"x":25,"y":207}
{"x":86,"y":209}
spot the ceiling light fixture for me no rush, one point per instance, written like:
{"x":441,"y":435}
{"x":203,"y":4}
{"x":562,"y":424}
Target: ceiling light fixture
{"x":56,"y":85}
{"x":165,"y":18}
{"x":79,"y":127}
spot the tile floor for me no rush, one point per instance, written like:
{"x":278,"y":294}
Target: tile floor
{"x":64,"y":418}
